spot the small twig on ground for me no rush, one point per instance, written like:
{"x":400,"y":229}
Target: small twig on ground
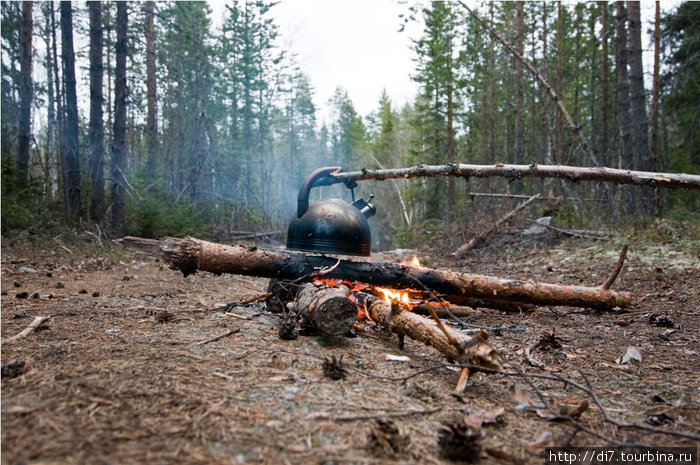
{"x":235,"y":315}
{"x":221,"y":336}
{"x":33,"y":326}
{"x":403,"y":414}
{"x":528,"y":355}
{"x":616,"y":271}
{"x":442,"y":327}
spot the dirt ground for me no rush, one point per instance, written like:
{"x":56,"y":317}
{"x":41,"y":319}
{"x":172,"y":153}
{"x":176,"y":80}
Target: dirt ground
{"x":113,"y":379}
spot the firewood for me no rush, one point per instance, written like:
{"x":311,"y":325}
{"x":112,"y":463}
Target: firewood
{"x":456,"y":346}
{"x":190,"y":255}
{"x":327,"y":309}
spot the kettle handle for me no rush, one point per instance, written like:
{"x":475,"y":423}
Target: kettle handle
{"x":318,"y":177}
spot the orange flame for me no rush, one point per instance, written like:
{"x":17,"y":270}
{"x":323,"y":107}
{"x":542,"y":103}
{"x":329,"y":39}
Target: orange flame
{"x":393,"y":294}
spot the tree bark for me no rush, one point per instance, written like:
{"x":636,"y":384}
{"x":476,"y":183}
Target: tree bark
{"x":644,"y":158}
{"x":25,"y":93}
{"x":71,"y":155}
{"x":656,"y":82}
{"x":190,"y":255}
{"x":97,"y":132}
{"x":327,"y":309}
{"x":623,"y":98}
{"x":518,"y":140}
{"x":151,"y":91}
{"x":510,"y":172}
{"x":119,"y":131}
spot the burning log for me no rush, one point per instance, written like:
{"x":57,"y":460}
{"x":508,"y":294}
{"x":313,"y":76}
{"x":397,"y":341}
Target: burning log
{"x":190,"y":255}
{"x":453,"y":344}
{"x":327,"y":309}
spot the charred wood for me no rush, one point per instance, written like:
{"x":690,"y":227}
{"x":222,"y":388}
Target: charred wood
{"x":190,"y":255}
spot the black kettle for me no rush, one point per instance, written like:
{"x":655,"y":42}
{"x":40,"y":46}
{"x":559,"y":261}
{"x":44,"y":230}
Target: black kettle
{"x":332,"y":225}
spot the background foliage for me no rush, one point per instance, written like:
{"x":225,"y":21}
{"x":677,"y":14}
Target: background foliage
{"x":237,"y":128}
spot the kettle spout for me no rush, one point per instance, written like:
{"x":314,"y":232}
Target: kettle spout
{"x":366,"y":208}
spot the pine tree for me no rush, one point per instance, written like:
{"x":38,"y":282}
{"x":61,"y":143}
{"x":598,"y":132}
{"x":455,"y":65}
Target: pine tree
{"x":71,"y":155}
{"x":97,"y":181}
{"x":119,"y":147}
{"x":437,"y":76}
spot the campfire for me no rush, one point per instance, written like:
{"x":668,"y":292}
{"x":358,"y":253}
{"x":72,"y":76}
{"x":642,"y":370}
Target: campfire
{"x":331,"y":294}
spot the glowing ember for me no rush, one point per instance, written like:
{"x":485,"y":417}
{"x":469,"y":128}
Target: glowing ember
{"x":415,"y":261}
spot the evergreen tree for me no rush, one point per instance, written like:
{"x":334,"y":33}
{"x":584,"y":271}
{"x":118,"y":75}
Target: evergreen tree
{"x":437,"y":74}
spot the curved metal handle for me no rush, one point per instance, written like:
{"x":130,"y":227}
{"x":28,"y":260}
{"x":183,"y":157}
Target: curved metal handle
{"x":318,"y":177}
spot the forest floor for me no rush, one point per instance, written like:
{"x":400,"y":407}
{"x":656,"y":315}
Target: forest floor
{"x":112,"y":379}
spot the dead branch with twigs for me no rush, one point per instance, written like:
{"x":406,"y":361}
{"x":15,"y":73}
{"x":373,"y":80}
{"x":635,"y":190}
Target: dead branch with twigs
{"x":476,"y":240}
{"x":516,"y":172}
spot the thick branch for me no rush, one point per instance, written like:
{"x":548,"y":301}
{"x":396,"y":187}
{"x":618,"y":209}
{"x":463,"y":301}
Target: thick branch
{"x":451,"y":343}
{"x":515,"y":172}
{"x":190,"y":255}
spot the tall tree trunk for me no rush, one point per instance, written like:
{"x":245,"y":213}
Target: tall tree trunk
{"x":25,"y":93}
{"x":605,"y":107}
{"x":151,"y":92}
{"x":559,"y":135}
{"x":492,"y":85}
{"x":119,"y":131}
{"x":71,"y":165}
{"x":97,"y":179}
{"x":518,"y":140}
{"x":51,"y":160}
{"x":623,"y":99}
{"x":60,"y":117}
{"x":644,"y":158}
{"x":656,"y":86}
{"x":604,"y":85}
{"x":451,"y":198}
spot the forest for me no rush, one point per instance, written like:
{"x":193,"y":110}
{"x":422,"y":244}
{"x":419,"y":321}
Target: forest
{"x":179,"y":127}
{"x":154,"y":155}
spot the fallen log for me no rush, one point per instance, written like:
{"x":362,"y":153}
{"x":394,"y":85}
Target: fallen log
{"x":190,"y":255}
{"x":516,"y":172}
{"x":326,"y":309}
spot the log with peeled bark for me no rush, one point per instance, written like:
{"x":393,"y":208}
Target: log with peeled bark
{"x":515,"y":172}
{"x":190,"y":255}
{"x":327,"y":309}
